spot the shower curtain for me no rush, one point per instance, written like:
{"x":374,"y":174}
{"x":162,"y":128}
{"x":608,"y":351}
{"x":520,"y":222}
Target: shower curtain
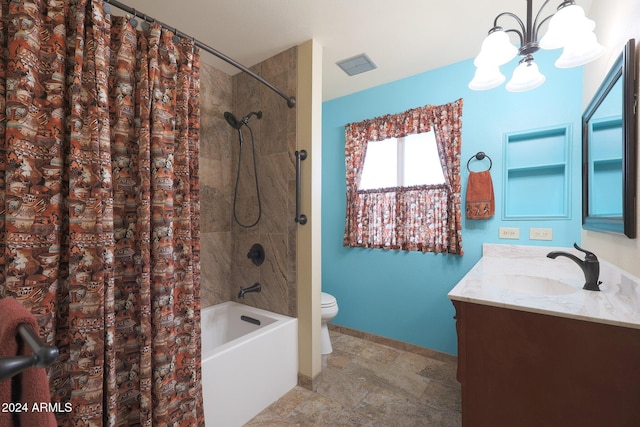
{"x":99,"y":207}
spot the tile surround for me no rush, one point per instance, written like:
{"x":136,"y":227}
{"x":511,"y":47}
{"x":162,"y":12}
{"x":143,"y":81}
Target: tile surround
{"x":273,"y":136}
{"x":215,"y":185}
{"x":225,"y":244}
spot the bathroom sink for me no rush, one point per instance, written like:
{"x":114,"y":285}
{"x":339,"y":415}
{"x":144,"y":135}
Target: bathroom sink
{"x":524,"y":278}
{"x":534,"y":285}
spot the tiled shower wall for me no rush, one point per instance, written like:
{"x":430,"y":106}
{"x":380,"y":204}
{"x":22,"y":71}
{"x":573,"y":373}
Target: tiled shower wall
{"x":215,"y":185}
{"x":225,"y":244}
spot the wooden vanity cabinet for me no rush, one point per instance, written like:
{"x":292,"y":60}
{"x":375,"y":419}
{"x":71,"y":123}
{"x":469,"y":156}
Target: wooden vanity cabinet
{"x":519,"y":368}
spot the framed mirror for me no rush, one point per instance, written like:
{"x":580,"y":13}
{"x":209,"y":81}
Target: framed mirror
{"x":609,"y":151}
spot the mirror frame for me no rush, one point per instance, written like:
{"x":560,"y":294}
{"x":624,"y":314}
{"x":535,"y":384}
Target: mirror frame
{"x":624,"y":68}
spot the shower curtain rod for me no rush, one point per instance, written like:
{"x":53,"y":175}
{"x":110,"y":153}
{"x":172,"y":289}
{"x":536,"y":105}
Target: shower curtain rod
{"x":291,"y":101}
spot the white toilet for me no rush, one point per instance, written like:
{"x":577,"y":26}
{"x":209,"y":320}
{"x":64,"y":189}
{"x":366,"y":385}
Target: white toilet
{"x":327,"y":313}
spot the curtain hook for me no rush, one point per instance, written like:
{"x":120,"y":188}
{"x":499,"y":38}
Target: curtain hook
{"x":176,"y":37}
{"x":133,"y":21}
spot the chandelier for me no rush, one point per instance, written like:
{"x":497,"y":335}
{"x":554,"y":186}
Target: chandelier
{"x":568,"y":28}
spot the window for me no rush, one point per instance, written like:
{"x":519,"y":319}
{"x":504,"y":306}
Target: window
{"x":400,"y":193}
{"x":407,"y":161}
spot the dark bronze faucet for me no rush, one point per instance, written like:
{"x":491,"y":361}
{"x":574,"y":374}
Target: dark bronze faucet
{"x":590,"y":266}
{"x":257,"y":287}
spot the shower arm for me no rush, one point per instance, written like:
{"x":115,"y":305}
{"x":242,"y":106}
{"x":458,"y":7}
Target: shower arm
{"x":291,"y":100}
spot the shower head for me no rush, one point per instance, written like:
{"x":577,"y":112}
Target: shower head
{"x":237,"y":124}
{"x":231,"y":119}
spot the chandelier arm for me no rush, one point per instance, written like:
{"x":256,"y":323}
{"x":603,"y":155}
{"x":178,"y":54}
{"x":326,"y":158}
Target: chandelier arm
{"x":536,"y":27}
{"x":512,"y":15}
{"x":522,"y":33}
{"x":513,"y":30}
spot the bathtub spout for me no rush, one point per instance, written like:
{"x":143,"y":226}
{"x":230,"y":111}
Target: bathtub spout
{"x":255,"y":288}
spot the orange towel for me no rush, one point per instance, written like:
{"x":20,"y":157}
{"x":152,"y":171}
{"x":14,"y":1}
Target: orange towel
{"x":480,"y":201}
{"x":33,"y":386}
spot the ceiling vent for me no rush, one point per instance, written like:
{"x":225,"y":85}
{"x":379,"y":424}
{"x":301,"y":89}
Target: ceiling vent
{"x":356,"y":64}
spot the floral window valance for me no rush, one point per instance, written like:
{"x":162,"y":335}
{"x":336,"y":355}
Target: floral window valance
{"x":420,"y":218}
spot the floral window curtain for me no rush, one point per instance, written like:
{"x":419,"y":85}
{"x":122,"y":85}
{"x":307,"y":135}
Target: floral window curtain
{"x":99,"y":225}
{"x":447,"y":124}
{"x":421,"y":218}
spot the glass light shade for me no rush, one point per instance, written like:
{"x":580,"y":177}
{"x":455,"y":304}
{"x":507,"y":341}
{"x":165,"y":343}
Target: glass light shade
{"x":579,"y":51}
{"x":525,"y":77}
{"x":566,"y":22}
{"x":568,"y":16}
{"x":487,"y":77}
{"x":496,"y":50}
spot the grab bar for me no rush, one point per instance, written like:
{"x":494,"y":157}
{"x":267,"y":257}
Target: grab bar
{"x":300,"y":156}
{"x":42,"y":356}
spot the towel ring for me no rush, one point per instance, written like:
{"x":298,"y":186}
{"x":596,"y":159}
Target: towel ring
{"x":480,"y":156}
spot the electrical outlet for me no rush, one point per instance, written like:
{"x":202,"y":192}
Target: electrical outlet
{"x":541,"y":234}
{"x":509,"y":233}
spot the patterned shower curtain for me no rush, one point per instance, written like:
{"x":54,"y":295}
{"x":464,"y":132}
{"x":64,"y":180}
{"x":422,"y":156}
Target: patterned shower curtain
{"x":99,"y":197}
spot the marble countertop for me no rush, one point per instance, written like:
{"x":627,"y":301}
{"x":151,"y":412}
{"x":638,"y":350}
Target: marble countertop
{"x":523,"y":278}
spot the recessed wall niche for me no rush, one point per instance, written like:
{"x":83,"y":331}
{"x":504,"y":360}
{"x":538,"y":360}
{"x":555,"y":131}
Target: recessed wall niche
{"x":536,"y":174}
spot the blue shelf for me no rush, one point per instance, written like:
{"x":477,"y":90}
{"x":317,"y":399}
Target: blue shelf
{"x":536,"y":177}
{"x":537,"y":169}
{"x":606,"y":174}
{"x":608,"y":163}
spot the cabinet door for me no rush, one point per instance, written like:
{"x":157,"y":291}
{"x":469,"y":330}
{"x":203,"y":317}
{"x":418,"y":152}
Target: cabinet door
{"x":526,"y":369}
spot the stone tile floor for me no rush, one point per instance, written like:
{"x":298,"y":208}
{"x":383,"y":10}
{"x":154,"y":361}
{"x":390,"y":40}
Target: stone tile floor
{"x":366,"y":383}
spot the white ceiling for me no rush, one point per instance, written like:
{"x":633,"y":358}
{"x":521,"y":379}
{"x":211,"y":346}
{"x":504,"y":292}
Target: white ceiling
{"x":403,"y":37}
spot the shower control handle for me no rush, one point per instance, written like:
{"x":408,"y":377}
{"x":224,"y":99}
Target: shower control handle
{"x":256,"y":254}
{"x":300,"y":156}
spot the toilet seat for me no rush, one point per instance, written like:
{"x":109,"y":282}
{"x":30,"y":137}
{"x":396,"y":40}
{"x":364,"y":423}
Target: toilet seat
{"x":327,"y":300}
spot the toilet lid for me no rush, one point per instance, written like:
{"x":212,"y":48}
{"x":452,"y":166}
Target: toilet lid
{"x":327,"y":299}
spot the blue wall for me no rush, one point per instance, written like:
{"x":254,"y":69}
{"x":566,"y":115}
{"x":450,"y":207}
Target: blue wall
{"x":403,"y":295}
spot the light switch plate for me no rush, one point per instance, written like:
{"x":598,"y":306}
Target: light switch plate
{"x":509,"y":233}
{"x":541,"y":234}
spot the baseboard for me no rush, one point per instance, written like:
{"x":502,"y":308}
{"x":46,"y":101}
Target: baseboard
{"x":400,"y":345}
{"x":308,"y":382}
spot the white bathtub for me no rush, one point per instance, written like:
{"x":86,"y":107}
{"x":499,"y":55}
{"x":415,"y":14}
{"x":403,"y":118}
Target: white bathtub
{"x":245,"y":367}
